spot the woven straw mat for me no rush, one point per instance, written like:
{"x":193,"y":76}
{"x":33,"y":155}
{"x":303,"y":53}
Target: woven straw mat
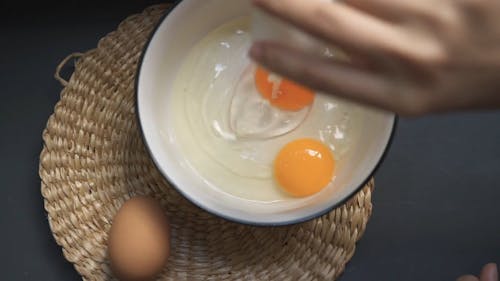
{"x":94,"y":159}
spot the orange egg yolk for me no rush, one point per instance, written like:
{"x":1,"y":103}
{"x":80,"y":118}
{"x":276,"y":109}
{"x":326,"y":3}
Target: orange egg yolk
{"x":304,"y":167}
{"x":283,"y":94}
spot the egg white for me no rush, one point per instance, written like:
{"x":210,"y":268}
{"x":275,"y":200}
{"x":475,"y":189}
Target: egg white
{"x":207,"y":102}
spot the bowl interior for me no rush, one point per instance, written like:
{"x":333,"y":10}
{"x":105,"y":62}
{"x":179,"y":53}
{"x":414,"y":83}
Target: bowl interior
{"x":189,"y":22}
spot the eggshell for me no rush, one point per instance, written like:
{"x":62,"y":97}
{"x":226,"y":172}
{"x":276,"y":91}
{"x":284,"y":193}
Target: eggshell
{"x":139,"y":240}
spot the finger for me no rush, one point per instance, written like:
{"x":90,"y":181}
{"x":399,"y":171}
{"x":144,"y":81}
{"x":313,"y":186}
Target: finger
{"x":332,"y":21}
{"x":327,"y":76}
{"x":396,"y":9}
{"x":467,"y":278}
{"x":352,"y":29}
{"x":489,"y":273}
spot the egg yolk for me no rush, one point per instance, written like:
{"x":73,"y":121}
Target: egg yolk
{"x":304,"y":167}
{"x":282,"y":93}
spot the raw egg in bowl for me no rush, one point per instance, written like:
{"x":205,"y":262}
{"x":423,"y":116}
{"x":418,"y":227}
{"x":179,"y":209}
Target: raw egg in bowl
{"x":239,"y":141}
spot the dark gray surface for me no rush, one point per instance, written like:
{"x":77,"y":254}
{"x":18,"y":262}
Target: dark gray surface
{"x":436,"y":210}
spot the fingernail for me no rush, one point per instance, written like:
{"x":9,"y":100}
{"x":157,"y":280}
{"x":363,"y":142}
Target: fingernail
{"x":256,"y":51}
{"x":494,"y":274}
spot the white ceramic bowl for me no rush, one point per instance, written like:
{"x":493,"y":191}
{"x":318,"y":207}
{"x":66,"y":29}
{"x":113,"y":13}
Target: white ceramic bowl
{"x":175,"y":35}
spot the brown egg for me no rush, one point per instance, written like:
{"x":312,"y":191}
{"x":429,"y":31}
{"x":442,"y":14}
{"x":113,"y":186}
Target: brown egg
{"x":139,"y":240}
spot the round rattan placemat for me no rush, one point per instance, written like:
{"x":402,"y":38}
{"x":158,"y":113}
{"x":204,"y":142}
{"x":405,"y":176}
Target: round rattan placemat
{"x":94,"y":159}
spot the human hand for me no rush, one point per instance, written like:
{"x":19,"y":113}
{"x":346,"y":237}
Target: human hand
{"x":488,"y":273}
{"x":410,"y":57}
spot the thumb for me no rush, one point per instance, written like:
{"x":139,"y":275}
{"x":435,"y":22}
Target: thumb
{"x":489,"y":273}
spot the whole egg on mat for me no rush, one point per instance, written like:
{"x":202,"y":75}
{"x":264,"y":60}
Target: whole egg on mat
{"x":251,"y":133}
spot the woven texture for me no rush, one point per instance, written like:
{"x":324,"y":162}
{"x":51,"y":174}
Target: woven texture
{"x":94,"y":160}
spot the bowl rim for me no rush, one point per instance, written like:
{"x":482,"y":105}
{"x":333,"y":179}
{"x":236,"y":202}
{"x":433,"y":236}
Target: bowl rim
{"x":215,"y":212}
